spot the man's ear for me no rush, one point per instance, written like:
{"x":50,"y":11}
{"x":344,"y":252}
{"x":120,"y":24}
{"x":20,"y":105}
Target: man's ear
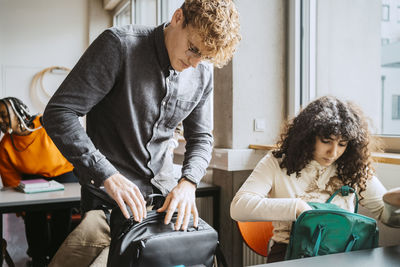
{"x":177,"y":18}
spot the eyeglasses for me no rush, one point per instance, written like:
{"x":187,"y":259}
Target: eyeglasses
{"x":194,"y":52}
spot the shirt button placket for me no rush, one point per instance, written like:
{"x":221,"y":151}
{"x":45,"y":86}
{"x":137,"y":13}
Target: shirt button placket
{"x":163,"y":103}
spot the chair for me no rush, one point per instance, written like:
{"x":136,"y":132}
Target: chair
{"x":256,"y":235}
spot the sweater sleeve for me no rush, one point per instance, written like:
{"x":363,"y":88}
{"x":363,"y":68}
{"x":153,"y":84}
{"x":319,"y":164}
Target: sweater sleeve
{"x":199,"y":139}
{"x":9,"y":175}
{"x":83,"y":88}
{"x":372,"y":197}
{"x":251,"y":202}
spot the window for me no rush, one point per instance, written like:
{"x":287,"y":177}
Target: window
{"x":398,"y":14}
{"x":385,"y":12}
{"x":350,"y":49}
{"x":123,"y":16}
{"x":396,"y":107}
{"x":145,"y":12}
{"x":168,"y":8}
{"x":390,"y":71}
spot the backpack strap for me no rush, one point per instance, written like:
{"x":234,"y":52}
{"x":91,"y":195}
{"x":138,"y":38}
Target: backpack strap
{"x":351,"y":243}
{"x":345,"y":190}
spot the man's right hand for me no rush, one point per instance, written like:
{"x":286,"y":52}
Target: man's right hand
{"x":126,"y":193}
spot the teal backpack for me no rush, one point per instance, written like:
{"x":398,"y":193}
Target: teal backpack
{"x":328,"y":229}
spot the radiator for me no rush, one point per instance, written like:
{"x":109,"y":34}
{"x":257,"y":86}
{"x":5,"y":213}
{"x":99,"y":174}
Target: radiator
{"x":205,"y":204}
{"x":251,"y":258}
{"x":205,"y":209}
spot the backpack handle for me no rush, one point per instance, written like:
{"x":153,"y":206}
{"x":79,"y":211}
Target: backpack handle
{"x":345,"y":190}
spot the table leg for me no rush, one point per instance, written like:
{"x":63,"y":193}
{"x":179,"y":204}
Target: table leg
{"x":216,"y":210}
{"x":1,"y":240}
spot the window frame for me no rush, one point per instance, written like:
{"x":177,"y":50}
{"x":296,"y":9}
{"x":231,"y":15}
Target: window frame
{"x":302,"y":64}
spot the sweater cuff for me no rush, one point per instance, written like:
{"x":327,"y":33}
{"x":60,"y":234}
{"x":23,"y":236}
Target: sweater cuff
{"x":188,"y":179}
{"x":192,"y":174}
{"x":97,"y":173}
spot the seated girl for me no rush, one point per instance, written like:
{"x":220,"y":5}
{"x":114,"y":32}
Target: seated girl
{"x":27,"y":151}
{"x":326,"y":146}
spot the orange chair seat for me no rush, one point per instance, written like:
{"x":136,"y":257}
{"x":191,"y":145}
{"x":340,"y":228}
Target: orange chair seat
{"x":256,"y":235}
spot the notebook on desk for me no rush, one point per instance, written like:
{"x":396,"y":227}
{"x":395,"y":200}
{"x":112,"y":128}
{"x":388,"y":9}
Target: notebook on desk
{"x":34,"y":183}
{"x":39,"y":186}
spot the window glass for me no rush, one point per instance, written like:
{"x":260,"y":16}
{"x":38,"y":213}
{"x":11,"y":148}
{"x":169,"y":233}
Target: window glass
{"x":390,"y":71}
{"x":146,"y":12}
{"x":123,"y":15}
{"x":168,"y":8}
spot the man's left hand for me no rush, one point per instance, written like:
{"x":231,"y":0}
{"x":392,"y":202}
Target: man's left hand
{"x":182,"y":197}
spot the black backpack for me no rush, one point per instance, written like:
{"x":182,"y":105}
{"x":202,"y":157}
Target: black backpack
{"x":152,"y":243}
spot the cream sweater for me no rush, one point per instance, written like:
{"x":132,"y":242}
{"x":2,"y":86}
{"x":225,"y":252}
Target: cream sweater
{"x":269,"y":194}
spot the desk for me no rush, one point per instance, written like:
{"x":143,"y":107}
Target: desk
{"x":13,"y":201}
{"x":377,"y":257}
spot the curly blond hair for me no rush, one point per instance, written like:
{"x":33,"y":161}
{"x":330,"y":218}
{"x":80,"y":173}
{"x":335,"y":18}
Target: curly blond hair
{"x":217,"y":23}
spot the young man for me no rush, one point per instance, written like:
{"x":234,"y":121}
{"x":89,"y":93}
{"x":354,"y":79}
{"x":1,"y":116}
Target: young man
{"x":136,"y":84}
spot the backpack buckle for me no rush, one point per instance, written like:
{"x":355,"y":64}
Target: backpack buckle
{"x":345,"y":190}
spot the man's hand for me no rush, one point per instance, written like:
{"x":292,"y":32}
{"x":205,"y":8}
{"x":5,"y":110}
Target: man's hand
{"x":181,"y":197}
{"x":124,"y":192}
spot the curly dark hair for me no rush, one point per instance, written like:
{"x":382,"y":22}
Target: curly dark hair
{"x":322,"y":118}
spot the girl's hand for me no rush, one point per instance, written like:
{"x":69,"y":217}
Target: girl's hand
{"x":301,"y":207}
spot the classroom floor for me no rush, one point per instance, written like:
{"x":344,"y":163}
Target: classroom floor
{"x":14,"y":234}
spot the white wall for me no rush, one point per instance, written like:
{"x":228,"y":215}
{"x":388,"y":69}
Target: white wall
{"x":35,"y":35}
{"x":259,"y":80}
